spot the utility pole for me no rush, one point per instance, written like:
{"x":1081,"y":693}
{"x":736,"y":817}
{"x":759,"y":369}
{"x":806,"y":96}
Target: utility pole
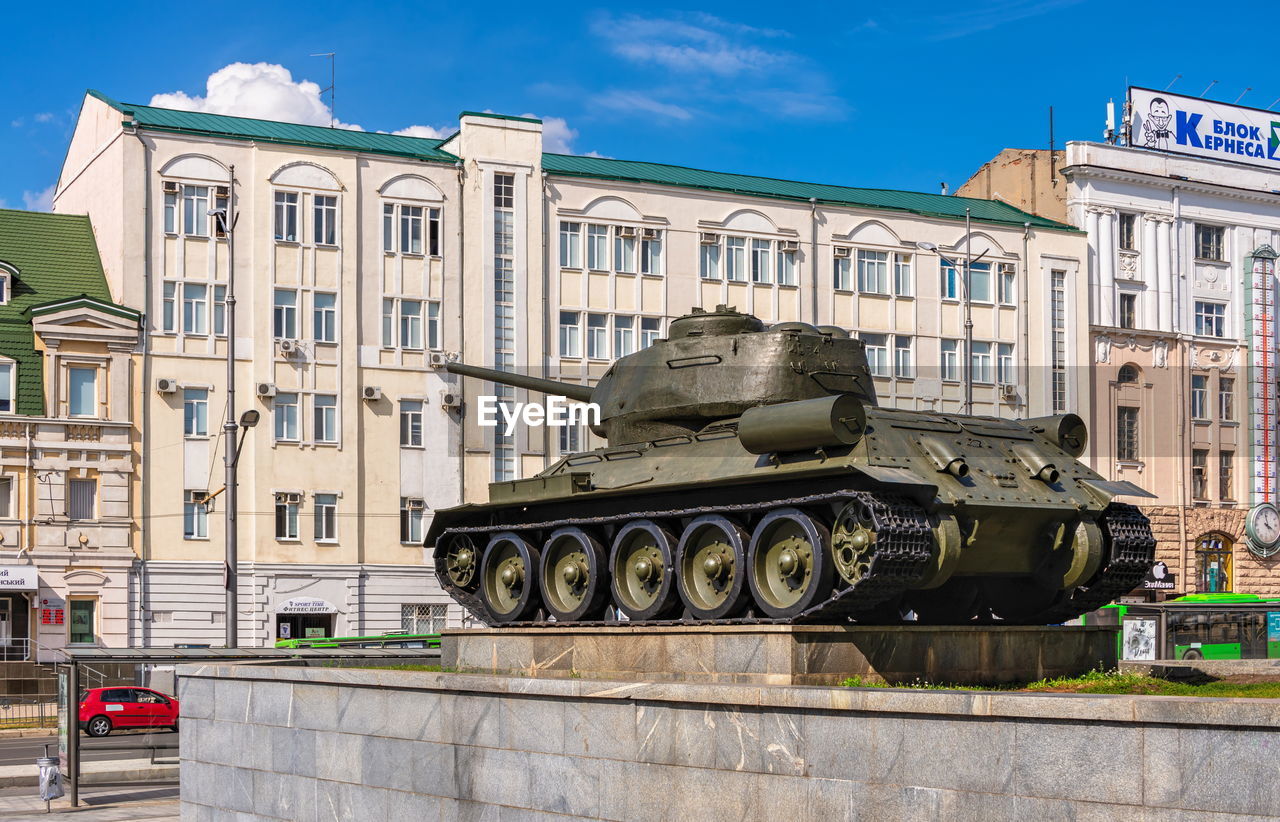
{"x":968,"y":310}
{"x":230,"y":452}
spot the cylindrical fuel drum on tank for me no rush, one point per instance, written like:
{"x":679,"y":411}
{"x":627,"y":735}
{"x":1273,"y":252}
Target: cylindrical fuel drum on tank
{"x":825,"y":422}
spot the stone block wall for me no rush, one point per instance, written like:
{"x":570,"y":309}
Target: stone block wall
{"x":1250,"y":574}
{"x":266,"y":743}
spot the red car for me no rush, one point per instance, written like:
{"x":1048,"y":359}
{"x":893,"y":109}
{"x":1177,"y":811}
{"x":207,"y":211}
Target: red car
{"x":103,"y":710}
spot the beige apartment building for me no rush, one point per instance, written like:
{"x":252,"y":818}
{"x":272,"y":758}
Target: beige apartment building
{"x":364,"y":261}
{"x":1182,"y":262}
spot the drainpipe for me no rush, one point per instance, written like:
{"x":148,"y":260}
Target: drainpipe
{"x":546,"y":305}
{"x":813,"y":265}
{"x":29,"y":532}
{"x":144,"y":533}
{"x":1024,"y":322}
{"x":462,"y":297}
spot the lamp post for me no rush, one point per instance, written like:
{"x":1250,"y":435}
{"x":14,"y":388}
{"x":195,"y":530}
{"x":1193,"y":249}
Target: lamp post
{"x":969,"y":260}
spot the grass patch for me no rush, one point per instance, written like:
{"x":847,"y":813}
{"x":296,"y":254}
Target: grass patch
{"x":1100,"y":682}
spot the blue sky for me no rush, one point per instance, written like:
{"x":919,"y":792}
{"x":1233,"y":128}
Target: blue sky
{"x":902,"y":95}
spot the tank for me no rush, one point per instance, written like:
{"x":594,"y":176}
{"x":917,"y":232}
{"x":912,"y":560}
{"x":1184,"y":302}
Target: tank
{"x":751,"y":476}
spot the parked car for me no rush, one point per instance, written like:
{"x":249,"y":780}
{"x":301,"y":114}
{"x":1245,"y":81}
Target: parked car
{"x":103,"y":710}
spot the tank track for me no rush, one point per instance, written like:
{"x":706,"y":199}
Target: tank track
{"x":1133,"y":550}
{"x":904,"y":549}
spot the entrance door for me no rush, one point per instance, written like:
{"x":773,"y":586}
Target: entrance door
{"x":6,"y":622}
{"x":304,"y":626}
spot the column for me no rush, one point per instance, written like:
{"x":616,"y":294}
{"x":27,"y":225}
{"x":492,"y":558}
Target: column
{"x":1164,"y":268}
{"x":1095,"y":270}
{"x":1150,"y":274}
{"x":1107,"y":266}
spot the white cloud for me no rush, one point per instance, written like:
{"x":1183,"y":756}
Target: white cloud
{"x":636,"y":102}
{"x":44,"y":117}
{"x":557,"y":137}
{"x":686,"y":47}
{"x":39,"y":200}
{"x":266,"y":91}
{"x":424,"y":131}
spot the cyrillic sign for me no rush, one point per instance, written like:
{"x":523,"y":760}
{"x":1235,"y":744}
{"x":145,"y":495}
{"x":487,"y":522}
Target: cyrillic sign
{"x":1190,"y":125}
{"x":19,"y":578}
{"x":302,"y":605}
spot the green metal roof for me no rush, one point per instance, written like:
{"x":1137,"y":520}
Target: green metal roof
{"x":511,"y":117}
{"x":928,"y":205}
{"x":271,"y":131}
{"x":56,"y":259}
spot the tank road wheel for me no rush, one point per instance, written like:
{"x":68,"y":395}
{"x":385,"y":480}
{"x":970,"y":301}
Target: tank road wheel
{"x":853,"y":542}
{"x":572,"y":575}
{"x":643,"y":566}
{"x":790,"y":565}
{"x":509,"y":578}
{"x":461,"y":560}
{"x":713,"y":566}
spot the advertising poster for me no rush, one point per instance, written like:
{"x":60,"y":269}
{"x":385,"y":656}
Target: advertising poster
{"x":1204,"y":128}
{"x":1139,"y":639}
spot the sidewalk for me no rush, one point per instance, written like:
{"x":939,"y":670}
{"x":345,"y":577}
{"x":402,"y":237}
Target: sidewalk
{"x":97,"y":804}
{"x":94,"y":773}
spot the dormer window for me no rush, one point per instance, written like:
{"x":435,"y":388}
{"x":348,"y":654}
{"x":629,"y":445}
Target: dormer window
{"x":6,"y":388}
{"x":4,"y":287}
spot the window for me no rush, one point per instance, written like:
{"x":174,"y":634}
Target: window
{"x":842,"y":273}
{"x":82,"y":394}
{"x":285,"y":314}
{"x":1128,"y":314}
{"x":326,"y":516}
{"x":220,"y":310}
{"x":1213,"y":564}
{"x":411,"y":519}
{"x":325,"y":223}
{"x":1126,"y":433}
{"x":903,"y":366}
{"x":1005,"y":373}
{"x":786,"y":267}
{"x":411,"y":324}
{"x":597,"y":336}
{"x":980,"y":362}
{"x":624,"y":336}
{"x":1007,"y":284}
{"x":324,"y":316}
{"x":388,"y":227}
{"x":735,"y":259}
{"x":287,"y":216}
{"x":950,"y":281}
{"x":570,"y":334}
{"x":980,"y":282}
{"x":1211,"y":319}
{"x":388,"y":323}
{"x":411,"y":423}
{"x":195,"y":306}
{"x":195,"y":412}
{"x":195,"y":211}
{"x":195,"y":515}
{"x":325,"y":412}
{"x":650,"y":331}
{"x":504,"y":191}
{"x":285,"y":408}
{"x":1058,"y":325}
{"x":951,"y":360}
{"x":171,"y":212}
{"x":170,"y":321}
{"x":1226,"y":399}
{"x":1226,"y":460}
{"x":83,"y":627}
{"x":760,"y":253}
{"x":422,"y":619}
{"x":1199,"y":397}
{"x":571,"y":245}
{"x":570,"y":438}
{"x":873,"y":272}
{"x":877,"y":347}
{"x":6,"y":388}
{"x":82,"y":499}
{"x":1128,"y":232}
{"x":1128,"y":374}
{"x":411,"y":222}
{"x":1209,"y":242}
{"x":433,"y":325}
{"x":287,"y":516}
{"x":902,"y":279}
{"x":624,"y":250}
{"x":1199,"y":473}
{"x":651,"y":252}
{"x":598,"y":247}
{"x":410,"y":229}
{"x":6,"y":497}
{"x":709,"y":261}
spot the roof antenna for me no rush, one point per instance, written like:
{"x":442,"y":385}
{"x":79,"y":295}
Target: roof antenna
{"x":333,"y":86}
{"x":1273,"y":104}
{"x":1171,"y":82}
{"x":1211,"y":85}
{"x":1243,"y":93}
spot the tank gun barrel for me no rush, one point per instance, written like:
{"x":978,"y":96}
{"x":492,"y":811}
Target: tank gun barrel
{"x":580,"y":393}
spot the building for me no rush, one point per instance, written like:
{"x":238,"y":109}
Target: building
{"x":1181,"y":290}
{"x":375,"y":257}
{"x":68,"y":440}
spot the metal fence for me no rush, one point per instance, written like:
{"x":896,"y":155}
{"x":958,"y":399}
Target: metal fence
{"x":38,"y":711}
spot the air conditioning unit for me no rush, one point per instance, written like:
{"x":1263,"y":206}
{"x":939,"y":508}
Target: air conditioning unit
{"x":289,"y":498}
{"x":626,"y":231}
{"x":437,"y":359}
{"x":166,"y":386}
{"x":842,"y":251}
{"x":450,"y":399}
{"x":171,"y":187}
{"x":372,"y":393}
{"x":222,"y":191}
{"x":788,"y":246}
{"x":1008,"y":391}
{"x":199,"y":497}
{"x":710,"y":238}
{"x":650,"y":234}
{"x":288,"y":347}
{"x":414,"y":504}
{"x":266,"y":389}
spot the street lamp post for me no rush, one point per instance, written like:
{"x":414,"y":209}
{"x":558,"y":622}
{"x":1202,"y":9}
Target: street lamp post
{"x":968,"y":303}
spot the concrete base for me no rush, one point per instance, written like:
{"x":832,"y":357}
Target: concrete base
{"x":786,"y":654}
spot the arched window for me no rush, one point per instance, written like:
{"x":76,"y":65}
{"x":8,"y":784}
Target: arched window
{"x":1213,"y":563}
{"x":1127,"y":374}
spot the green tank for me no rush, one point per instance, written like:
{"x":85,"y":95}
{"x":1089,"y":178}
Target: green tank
{"x":751,"y":476}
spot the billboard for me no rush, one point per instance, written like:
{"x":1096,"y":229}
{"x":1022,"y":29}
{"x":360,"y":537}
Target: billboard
{"x":1203,"y":128}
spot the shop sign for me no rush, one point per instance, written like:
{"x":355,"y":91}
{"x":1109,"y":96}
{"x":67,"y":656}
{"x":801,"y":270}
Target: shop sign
{"x":1159,"y":578}
{"x":19,"y":578}
{"x":303,"y":605}
{"x":1273,"y":626}
{"x":1204,"y":128}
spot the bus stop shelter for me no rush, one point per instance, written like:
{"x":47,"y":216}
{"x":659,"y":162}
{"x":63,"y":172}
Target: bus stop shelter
{"x":70,"y":677}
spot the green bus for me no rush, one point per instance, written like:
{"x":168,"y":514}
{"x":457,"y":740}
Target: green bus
{"x":391,"y":639}
{"x":1195,"y":626}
